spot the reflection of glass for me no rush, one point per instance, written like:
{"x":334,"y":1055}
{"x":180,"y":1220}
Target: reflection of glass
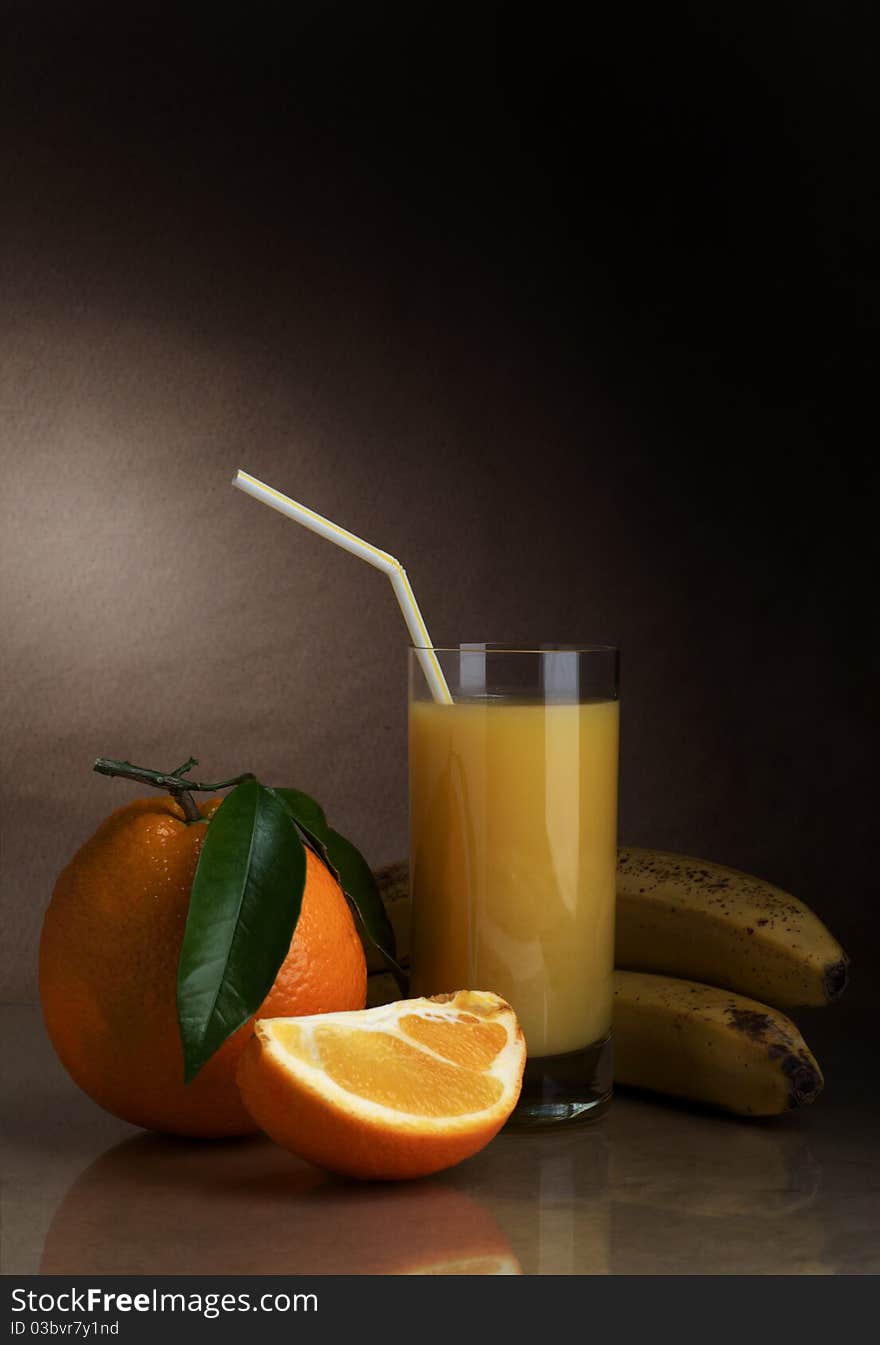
{"x":513,"y":831}
{"x":556,"y":1215}
{"x":551,"y":1196}
{"x":155,"y":1205}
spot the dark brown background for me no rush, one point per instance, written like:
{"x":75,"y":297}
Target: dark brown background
{"x":575,"y":319}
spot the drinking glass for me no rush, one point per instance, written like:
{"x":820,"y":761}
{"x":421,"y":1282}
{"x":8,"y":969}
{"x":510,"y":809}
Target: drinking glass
{"x":513,"y":846}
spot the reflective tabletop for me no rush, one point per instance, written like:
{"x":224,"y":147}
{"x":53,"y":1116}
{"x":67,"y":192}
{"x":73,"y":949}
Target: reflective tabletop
{"x":652,"y":1188}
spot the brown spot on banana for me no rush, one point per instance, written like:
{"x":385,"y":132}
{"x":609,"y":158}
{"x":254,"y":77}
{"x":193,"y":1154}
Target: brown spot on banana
{"x":804,"y":1077}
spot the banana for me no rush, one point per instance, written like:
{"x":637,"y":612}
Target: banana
{"x":393,"y":884}
{"x":692,"y":918}
{"x":708,"y":1045}
{"x":382,"y":988}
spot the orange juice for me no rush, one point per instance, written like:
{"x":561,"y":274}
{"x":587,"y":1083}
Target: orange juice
{"x":513,"y":836}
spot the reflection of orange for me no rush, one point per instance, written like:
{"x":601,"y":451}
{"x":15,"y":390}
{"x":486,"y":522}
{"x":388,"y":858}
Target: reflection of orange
{"x":159,"y":1206}
{"x":108,"y":971}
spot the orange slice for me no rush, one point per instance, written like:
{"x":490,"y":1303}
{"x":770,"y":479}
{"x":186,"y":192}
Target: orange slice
{"x":393,"y":1092}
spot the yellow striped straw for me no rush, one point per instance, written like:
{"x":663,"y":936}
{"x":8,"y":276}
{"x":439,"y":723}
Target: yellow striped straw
{"x":380,"y":560}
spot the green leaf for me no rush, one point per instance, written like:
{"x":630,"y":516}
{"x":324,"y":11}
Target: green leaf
{"x":245,"y":902}
{"x":359,"y":885}
{"x":306,"y":812}
{"x":308,"y":816}
{"x":348,"y":865}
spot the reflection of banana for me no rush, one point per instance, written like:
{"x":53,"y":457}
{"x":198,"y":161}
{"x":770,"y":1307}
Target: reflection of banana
{"x":676,"y":1163}
{"x":648,"y":1241}
{"x":687,"y":1198}
{"x":690,"y":917}
{"x":694,"y":1041}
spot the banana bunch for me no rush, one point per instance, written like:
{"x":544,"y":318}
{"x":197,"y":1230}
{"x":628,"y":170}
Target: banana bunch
{"x":702,"y":952}
{"x":707,"y":950}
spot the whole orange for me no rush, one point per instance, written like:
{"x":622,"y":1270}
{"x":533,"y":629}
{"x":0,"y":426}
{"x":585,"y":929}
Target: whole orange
{"x":108,"y":970}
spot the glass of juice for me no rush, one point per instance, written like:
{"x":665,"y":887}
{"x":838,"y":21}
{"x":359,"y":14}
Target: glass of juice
{"x":513,"y":849}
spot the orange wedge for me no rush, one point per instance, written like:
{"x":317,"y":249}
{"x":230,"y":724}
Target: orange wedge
{"x":399,"y":1091}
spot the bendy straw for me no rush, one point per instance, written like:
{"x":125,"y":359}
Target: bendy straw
{"x":380,"y":560}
